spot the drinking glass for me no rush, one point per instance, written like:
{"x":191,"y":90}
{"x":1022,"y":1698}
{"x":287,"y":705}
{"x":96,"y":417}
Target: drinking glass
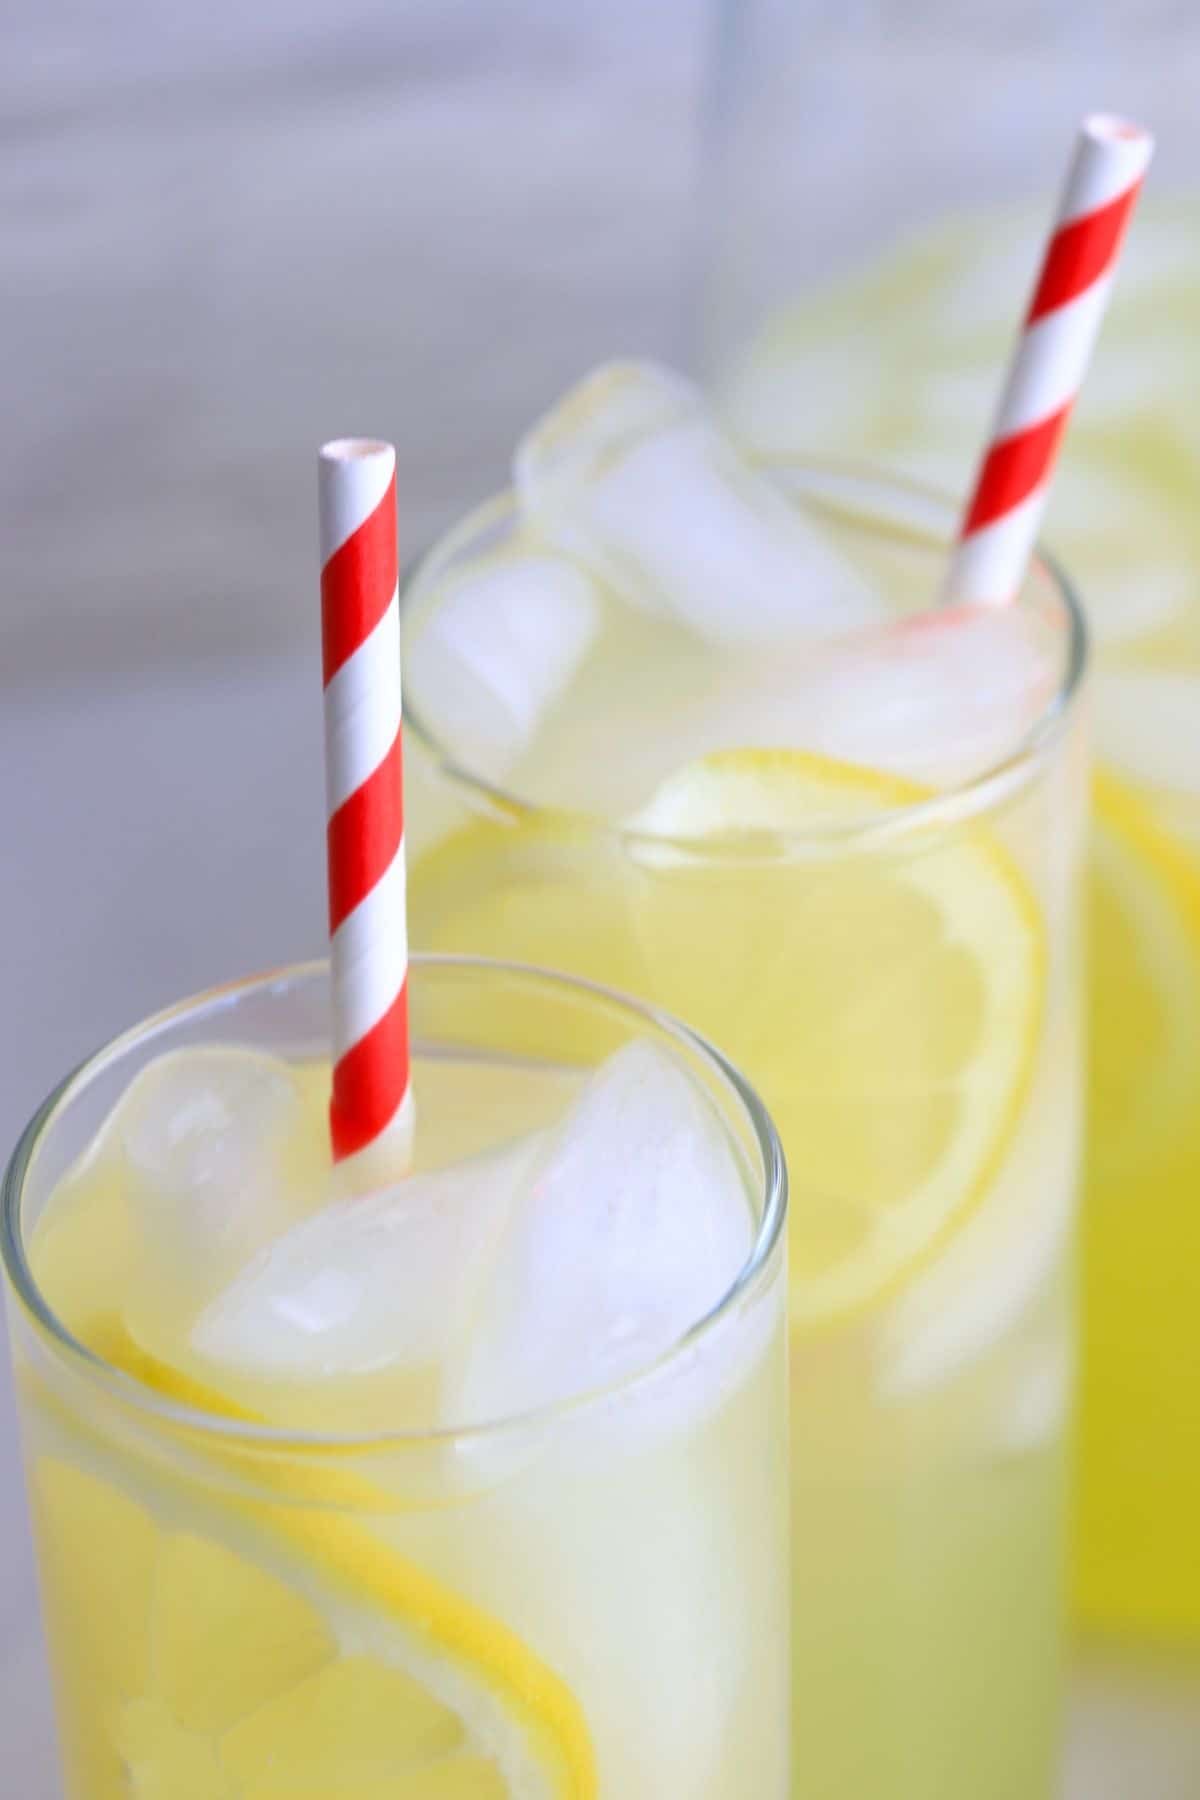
{"x":879,"y":184}
{"x":582,"y":1599}
{"x":896,"y":965}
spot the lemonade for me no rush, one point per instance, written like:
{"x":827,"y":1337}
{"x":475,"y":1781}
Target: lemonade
{"x":469,"y":1488}
{"x":853,"y":862}
{"x":916,"y":339}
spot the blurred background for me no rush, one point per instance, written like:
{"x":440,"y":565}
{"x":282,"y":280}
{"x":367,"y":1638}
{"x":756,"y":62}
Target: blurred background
{"x":231,"y":232}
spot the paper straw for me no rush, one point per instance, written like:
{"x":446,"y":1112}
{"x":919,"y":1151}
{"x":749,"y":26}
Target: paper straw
{"x":360,"y":632}
{"x":1000,"y":525}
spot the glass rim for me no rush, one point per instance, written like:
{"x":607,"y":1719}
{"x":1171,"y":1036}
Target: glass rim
{"x":926,"y":809}
{"x":118,"y":1385}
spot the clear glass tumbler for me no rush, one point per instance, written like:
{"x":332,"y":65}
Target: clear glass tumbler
{"x":585,"y":1599}
{"x":896,"y":965}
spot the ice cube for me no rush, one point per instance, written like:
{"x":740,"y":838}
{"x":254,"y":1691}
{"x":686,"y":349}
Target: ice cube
{"x":499,"y":644}
{"x":379,"y":1280}
{"x":630,"y":476}
{"x":938,"y":698}
{"x":211,"y":1141}
{"x":663,"y":1697}
{"x":634,"y":1226}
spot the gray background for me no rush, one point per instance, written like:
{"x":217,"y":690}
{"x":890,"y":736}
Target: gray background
{"x":227,"y":234}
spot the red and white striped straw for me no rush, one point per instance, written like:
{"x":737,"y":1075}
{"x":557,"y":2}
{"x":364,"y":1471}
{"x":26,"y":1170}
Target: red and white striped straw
{"x":1000,"y":525}
{"x":360,"y":634}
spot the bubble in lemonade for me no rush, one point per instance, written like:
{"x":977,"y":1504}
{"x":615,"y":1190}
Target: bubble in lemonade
{"x":393,"y":1591}
{"x":923,"y":330}
{"x":849,"y":857}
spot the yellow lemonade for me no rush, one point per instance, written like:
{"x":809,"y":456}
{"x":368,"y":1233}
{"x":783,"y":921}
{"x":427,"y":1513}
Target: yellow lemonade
{"x":280,"y":1555}
{"x":894,"y":963}
{"x":917,"y":339}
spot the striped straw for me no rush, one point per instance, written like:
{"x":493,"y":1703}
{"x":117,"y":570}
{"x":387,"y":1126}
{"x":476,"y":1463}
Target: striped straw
{"x":1001,"y":521}
{"x":360,"y":631}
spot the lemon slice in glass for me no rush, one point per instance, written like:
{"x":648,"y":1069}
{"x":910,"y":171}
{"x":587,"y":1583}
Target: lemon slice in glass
{"x":887,"y":1005}
{"x":266,"y":1650}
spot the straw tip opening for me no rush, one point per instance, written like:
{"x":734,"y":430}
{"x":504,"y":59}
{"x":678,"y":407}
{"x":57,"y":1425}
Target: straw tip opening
{"x":1114,"y":128}
{"x":352,"y":449}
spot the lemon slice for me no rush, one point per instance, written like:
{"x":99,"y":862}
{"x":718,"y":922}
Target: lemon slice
{"x":539,"y":889}
{"x":887,"y":1007}
{"x":266,"y":1649}
{"x":1139,"y":1413}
